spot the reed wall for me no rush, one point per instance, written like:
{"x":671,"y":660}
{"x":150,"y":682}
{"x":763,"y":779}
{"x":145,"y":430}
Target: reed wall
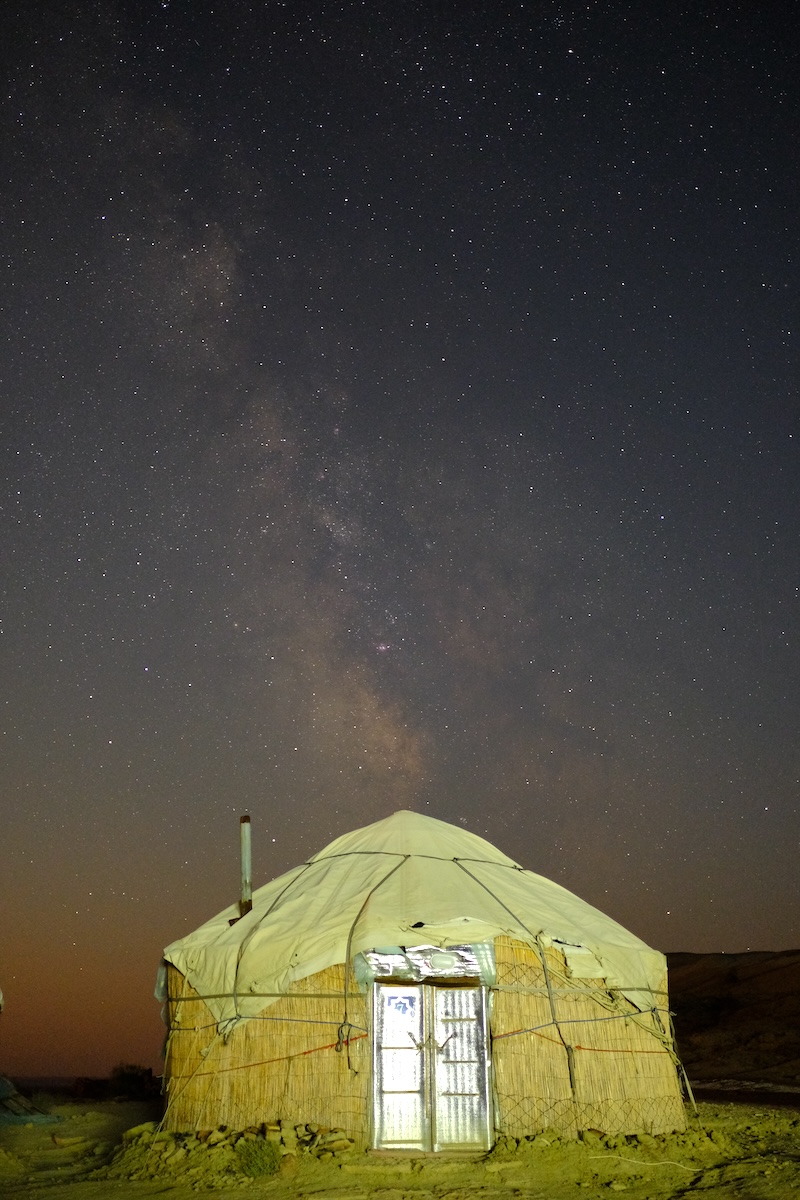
{"x":574,"y":1057}
{"x":280,"y":1065}
{"x":568,"y":1057}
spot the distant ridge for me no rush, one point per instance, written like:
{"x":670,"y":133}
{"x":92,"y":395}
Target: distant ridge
{"x":45,"y":1083}
{"x":737,"y":1016}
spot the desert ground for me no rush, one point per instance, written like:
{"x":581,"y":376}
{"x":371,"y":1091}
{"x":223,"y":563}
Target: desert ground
{"x":737,"y":1019}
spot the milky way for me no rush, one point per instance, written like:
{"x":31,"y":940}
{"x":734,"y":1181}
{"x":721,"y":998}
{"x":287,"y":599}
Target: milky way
{"x":398,"y":411}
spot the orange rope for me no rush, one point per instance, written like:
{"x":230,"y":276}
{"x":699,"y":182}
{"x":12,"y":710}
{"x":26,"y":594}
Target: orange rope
{"x":610,"y":1050}
{"x":514,"y":1032}
{"x":265,"y":1062}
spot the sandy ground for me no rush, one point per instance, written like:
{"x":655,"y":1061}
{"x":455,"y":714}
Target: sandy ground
{"x":732,"y":1152}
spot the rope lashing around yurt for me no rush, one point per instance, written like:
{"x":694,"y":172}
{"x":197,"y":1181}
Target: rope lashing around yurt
{"x":344,"y":1039}
{"x":279,"y":1020}
{"x":245,"y":942}
{"x":551,"y":998}
{"x":496,"y":1037}
{"x":533,"y":936}
{"x":580,"y":1021}
{"x":607,"y":1000}
{"x":604,"y":998}
{"x":197,"y":1074}
{"x":535,"y":940}
{"x":204,"y":996}
{"x":670,"y":1034}
{"x":612,"y":1001}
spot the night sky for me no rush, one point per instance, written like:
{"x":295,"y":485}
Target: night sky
{"x":399,"y":409}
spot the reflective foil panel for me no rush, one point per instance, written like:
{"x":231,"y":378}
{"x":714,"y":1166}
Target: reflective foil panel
{"x":430,"y":1067}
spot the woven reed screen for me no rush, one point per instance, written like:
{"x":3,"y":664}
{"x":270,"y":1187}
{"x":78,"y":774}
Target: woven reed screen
{"x":280,"y":1065}
{"x":618,"y":1076}
{"x":623,"y":1077}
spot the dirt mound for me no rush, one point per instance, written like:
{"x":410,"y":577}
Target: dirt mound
{"x":219,"y":1156}
{"x":308,"y":1162}
{"x":729,"y":1151}
{"x":76,"y":1142}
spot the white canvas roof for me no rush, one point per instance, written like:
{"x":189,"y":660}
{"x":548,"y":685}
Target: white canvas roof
{"x":403,"y":881}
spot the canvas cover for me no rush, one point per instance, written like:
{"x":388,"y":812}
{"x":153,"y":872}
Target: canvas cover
{"x":404,"y":881}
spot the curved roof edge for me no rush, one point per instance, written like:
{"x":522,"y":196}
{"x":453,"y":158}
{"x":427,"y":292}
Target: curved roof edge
{"x":406,"y":880}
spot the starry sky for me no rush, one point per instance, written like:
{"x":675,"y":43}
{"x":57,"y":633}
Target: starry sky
{"x":398,"y":409}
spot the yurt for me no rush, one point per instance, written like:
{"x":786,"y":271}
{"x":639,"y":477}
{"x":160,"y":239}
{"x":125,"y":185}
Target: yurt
{"x":416,"y":988}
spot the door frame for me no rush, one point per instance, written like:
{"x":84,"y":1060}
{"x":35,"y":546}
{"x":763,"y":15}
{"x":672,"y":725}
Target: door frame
{"x":430,"y":1140}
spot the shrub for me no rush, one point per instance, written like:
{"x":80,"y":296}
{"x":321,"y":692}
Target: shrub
{"x":133,"y":1082}
{"x":258,"y":1157}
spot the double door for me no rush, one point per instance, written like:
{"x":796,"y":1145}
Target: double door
{"x":430,"y":1067}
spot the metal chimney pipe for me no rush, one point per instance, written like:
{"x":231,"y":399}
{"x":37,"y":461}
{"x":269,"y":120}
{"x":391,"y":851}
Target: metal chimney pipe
{"x":246,"y":890}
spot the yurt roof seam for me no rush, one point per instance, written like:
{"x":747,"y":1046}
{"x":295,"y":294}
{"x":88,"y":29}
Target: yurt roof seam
{"x":251,"y":932}
{"x":556,"y":1023}
{"x":486,"y":888}
{"x":358,"y":917}
{"x":490,"y":862}
{"x":536,"y":938}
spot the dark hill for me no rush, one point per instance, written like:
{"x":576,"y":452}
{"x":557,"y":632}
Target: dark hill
{"x":737,"y":1016}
